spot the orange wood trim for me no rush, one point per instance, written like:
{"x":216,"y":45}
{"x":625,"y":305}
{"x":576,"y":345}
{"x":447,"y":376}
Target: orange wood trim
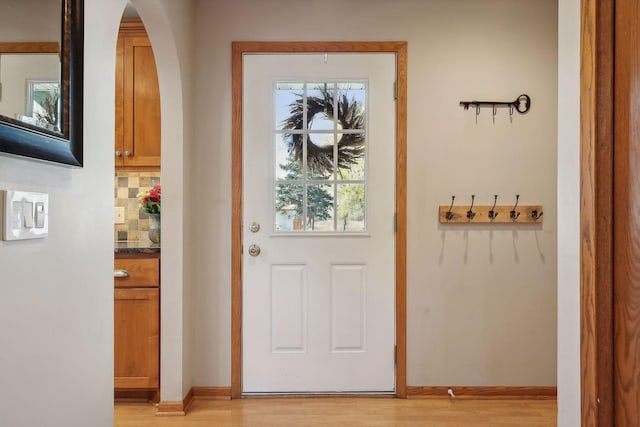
{"x":188,"y":400}
{"x":132,"y":26}
{"x":596,"y":202}
{"x":168,"y":409}
{"x":626,"y":193}
{"x":236,"y":222}
{"x":314,"y":47}
{"x":240,"y":48}
{"x":503,"y":212}
{"x":214,"y":393}
{"x":479,"y":392}
{"x":400,"y":49}
{"x":134,"y":395}
{"x":30,"y":47}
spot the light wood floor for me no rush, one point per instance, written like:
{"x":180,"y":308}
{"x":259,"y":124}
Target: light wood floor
{"x":330,"y":412}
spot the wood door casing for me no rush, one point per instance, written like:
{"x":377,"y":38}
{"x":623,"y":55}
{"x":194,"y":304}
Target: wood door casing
{"x":626,"y":209}
{"x":610,"y":213}
{"x":596,"y":228}
{"x":238,"y":50}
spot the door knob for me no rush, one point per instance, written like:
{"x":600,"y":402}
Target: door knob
{"x":118,"y":153}
{"x":254,"y":250}
{"x":127,"y":153}
{"x":254,"y":227}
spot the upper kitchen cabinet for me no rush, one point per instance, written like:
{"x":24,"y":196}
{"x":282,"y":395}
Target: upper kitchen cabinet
{"x":137,"y":144}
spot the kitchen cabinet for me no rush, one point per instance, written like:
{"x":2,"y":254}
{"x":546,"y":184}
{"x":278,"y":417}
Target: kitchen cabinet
{"x":137,"y":127}
{"x":137,"y":325}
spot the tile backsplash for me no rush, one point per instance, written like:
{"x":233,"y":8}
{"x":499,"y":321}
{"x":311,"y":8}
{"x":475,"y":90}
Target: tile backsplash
{"x":127,"y":185}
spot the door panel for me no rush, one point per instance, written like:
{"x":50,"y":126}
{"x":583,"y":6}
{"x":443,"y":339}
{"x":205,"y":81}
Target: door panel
{"x":319,"y":297}
{"x":348,"y":312}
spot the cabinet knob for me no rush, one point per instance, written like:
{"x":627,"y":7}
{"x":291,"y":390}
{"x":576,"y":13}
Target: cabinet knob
{"x":127,"y":153}
{"x":118,"y":153}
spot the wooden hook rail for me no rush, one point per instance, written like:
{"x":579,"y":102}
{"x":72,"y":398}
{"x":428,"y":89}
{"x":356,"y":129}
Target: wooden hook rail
{"x":526,"y":214}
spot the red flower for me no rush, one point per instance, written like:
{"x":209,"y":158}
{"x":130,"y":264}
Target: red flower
{"x":154,"y":194}
{"x":150,"y":200}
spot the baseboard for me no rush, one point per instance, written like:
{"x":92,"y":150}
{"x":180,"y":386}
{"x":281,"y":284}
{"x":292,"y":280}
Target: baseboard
{"x":136,"y":396}
{"x":471,"y":392}
{"x":437,"y":392}
{"x":170,"y":409}
{"x":217,"y":393}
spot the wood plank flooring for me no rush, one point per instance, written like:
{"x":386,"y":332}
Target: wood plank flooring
{"x":370,"y":412}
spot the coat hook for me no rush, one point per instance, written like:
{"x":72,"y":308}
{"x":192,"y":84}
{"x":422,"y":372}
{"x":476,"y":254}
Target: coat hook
{"x":515,"y":214}
{"x":449,"y":215}
{"x":495,"y":111}
{"x":536,"y":215}
{"x":477,"y":112}
{"x":492,"y":213}
{"x":511,"y":108}
{"x":470,"y":213}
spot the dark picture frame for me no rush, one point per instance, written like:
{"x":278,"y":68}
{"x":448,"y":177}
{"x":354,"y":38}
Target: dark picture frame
{"x":21,"y":139}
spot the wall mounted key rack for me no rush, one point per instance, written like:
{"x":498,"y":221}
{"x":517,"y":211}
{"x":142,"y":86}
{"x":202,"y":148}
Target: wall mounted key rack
{"x":490,"y":214}
{"x":522,"y":105}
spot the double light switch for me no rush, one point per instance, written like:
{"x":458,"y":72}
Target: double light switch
{"x":25,"y":215}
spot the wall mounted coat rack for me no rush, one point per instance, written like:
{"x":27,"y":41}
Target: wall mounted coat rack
{"x":522,"y":105}
{"x":490,"y":214}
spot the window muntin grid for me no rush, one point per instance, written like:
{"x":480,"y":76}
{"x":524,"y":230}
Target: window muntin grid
{"x":325,"y":124}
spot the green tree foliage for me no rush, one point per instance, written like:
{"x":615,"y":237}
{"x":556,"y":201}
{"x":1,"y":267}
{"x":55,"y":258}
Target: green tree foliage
{"x":351,"y":204}
{"x":319,"y":200}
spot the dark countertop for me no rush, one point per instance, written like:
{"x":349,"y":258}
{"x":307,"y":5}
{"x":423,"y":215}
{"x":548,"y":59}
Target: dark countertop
{"x":136,"y":247}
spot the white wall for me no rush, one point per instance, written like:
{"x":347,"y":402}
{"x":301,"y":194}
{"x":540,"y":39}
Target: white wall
{"x":569,"y":214}
{"x":169,"y":25}
{"x":56,"y":294}
{"x":56,"y":319}
{"x":57,"y":316}
{"x":482,"y":299}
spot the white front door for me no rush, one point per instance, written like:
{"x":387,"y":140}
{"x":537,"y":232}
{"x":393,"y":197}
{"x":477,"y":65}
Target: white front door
{"x":318,"y":223}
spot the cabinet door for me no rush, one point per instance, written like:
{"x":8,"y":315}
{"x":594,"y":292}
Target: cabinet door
{"x":137,"y":338}
{"x":119,"y":142}
{"x":141,"y":109}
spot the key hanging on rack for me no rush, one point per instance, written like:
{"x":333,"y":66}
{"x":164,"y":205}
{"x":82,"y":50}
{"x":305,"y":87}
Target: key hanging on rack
{"x":522,"y":105}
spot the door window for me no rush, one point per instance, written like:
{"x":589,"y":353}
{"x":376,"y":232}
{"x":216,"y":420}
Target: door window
{"x":320,"y":156}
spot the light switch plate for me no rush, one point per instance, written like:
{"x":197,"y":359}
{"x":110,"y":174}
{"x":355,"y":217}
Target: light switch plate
{"x":118,"y":215}
{"x":25,"y":215}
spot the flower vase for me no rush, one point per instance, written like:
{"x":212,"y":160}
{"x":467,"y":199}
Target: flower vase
{"x":154,"y":228}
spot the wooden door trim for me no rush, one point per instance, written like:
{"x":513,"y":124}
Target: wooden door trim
{"x":596,"y":212}
{"x":400,"y":50}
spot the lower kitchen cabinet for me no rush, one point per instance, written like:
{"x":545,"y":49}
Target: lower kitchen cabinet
{"x":136,"y":330}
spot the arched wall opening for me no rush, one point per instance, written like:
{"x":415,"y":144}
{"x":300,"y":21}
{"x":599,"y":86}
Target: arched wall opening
{"x":158,"y":24}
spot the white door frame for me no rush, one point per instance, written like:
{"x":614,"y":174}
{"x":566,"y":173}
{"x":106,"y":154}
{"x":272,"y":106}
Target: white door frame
{"x":239,"y":49}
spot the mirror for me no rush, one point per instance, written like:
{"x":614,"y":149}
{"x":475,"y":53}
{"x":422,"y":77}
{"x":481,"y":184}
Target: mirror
{"x":41,"y":78}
